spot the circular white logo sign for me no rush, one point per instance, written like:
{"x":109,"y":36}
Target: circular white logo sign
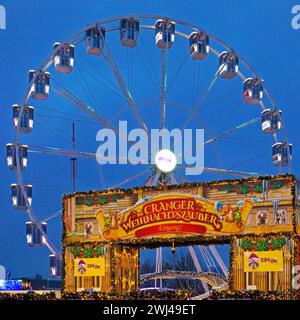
{"x":165,"y":160}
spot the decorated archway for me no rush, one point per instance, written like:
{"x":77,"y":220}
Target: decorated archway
{"x":104,"y":231}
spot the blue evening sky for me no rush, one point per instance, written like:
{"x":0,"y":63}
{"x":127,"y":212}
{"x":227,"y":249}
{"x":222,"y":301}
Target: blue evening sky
{"x":259,"y":30}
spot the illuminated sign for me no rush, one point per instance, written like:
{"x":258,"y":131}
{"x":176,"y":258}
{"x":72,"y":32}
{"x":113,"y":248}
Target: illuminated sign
{"x":263,"y":261}
{"x":11,"y":285}
{"x":86,"y":267}
{"x":165,"y":160}
{"x":171,"y":214}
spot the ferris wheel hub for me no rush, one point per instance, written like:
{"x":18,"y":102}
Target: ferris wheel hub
{"x":165,"y":161}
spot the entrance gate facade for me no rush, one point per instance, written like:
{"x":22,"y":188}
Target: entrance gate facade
{"x":258,"y":217}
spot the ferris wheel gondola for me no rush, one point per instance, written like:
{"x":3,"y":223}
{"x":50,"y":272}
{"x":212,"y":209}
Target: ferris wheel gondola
{"x":33,"y":235}
{"x":26,"y":119}
{"x":64,"y":57}
{"x":164,"y":33}
{"x":12,"y":158}
{"x":129,"y":32}
{"x":253,"y":91}
{"x":199,"y":45}
{"x":271,"y":121}
{"x":41,"y":84}
{"x":229,"y":64}
{"x":94,"y":39}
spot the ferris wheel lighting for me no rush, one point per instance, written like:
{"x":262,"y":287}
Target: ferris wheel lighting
{"x":29,"y":239}
{"x":9,"y":162}
{"x":14,"y":201}
{"x":165,"y":161}
{"x":53,"y":272}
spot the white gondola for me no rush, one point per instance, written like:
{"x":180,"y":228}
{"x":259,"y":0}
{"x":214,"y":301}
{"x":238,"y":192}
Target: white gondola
{"x":281,"y":154}
{"x":164,"y":33}
{"x":229,"y":62}
{"x":95,"y":39}
{"x":55,"y":266}
{"x":64,"y":57}
{"x":41,"y":86}
{"x":34,"y":237}
{"x":26,"y":124}
{"x":129,"y":31}
{"x":199,"y":45}
{"x":270,"y":121}
{"x":11,"y":156}
{"x":18,"y":200}
{"x":253,"y":90}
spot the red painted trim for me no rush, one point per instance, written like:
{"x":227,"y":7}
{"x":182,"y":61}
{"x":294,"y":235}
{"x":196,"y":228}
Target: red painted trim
{"x":170,"y":228}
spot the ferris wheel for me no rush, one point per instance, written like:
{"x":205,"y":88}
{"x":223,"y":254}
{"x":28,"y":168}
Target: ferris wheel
{"x":153,"y":72}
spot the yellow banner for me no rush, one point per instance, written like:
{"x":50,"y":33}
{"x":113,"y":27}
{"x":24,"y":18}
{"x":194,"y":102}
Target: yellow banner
{"x":172,"y":214}
{"x":263,"y":261}
{"x":86,"y":267}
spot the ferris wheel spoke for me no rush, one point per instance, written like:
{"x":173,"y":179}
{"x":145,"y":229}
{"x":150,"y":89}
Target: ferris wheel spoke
{"x":180,"y":177}
{"x":223,"y":171}
{"x":151,"y":65}
{"x":196,"y":116}
{"x":177,"y":72}
{"x":239,"y":127}
{"x":130,"y":179}
{"x":224,"y":134}
{"x":87,"y":109}
{"x":101,"y":177}
{"x":104,"y":82}
{"x":117,"y":114}
{"x":148,"y":72}
{"x":164,"y":62}
{"x":51,"y":216}
{"x":249,"y":160}
{"x":125,"y":92}
{"x":108,"y":58}
{"x":205,"y":126}
{"x":138,"y":102}
{"x":84,"y":107}
{"x":204,"y":96}
{"x":87,"y":90}
{"x":60,"y":152}
{"x":74,"y":153}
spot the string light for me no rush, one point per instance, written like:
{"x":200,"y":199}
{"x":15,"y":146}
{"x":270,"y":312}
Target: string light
{"x":173,"y":250}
